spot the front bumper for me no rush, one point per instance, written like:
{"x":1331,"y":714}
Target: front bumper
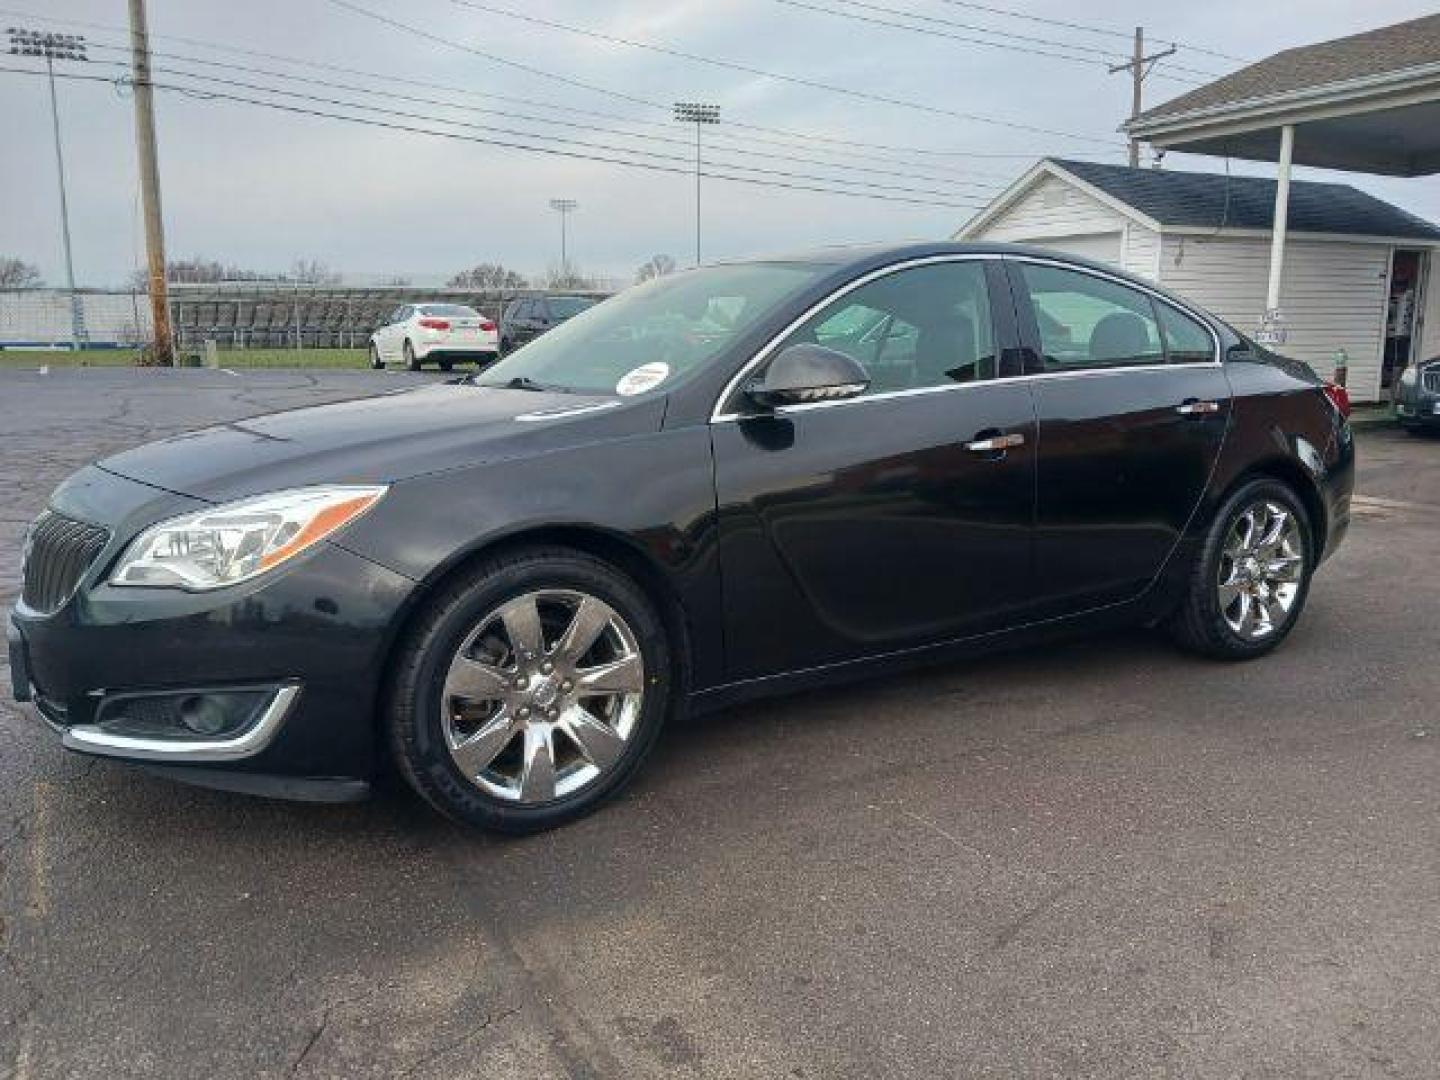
{"x":1418,"y":409}
{"x":313,"y":637}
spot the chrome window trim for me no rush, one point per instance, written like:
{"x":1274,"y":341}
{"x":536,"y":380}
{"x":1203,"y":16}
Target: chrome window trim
{"x":764,"y":352}
{"x":91,"y":739}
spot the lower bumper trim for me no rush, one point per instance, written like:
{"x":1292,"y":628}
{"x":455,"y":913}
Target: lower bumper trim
{"x":313,"y":789}
{"x":90,"y":739}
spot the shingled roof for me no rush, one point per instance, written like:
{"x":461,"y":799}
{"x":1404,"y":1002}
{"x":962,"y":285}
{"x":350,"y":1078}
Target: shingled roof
{"x":1413,"y":44}
{"x":1214,"y":201}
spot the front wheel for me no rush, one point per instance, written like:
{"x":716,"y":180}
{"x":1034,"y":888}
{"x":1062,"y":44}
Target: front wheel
{"x":1253,"y":575}
{"x":375,"y":361}
{"x":529,"y":691}
{"x":411,"y":361}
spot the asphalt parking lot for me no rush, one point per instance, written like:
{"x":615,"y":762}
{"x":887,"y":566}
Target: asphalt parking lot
{"x":1099,"y":859}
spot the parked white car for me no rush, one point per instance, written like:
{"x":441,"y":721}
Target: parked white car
{"x":445,"y":333}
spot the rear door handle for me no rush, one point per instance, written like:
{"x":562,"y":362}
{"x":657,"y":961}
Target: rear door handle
{"x":1192,"y":407}
{"x":995,"y":442}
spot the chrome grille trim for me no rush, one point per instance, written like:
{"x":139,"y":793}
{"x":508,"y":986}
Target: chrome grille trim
{"x":58,"y":552}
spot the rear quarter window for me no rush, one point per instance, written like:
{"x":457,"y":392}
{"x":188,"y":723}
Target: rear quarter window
{"x":1186,"y":340}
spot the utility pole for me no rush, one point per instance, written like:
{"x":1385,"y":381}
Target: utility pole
{"x":693,"y":112}
{"x":164,"y":342}
{"x":1139,"y":67}
{"x":564,"y":207}
{"x":57,"y":47}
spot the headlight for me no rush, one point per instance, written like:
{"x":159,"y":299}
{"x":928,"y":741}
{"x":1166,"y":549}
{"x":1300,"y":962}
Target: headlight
{"x":226,"y":544}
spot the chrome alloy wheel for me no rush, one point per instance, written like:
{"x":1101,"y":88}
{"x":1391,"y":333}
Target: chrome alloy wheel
{"x":1262,"y":567}
{"x":543,"y":696}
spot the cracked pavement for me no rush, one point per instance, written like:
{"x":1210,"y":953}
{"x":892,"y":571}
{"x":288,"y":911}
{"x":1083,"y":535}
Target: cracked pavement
{"x":1092,"y":859}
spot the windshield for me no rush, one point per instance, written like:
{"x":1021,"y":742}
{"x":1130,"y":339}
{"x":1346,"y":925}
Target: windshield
{"x":565,"y":306}
{"x":650,"y":335}
{"x":449,"y":311}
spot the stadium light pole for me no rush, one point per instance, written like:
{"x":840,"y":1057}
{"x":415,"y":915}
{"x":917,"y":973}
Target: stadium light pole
{"x":699,"y":114}
{"x":57,"y":47}
{"x":564,"y":207}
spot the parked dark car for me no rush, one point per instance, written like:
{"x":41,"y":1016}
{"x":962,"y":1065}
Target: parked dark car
{"x":1417,"y":396}
{"x":530,"y":316}
{"x":724,"y":483}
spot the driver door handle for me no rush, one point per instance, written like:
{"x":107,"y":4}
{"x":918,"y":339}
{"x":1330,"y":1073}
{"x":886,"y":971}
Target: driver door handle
{"x":995,"y":442}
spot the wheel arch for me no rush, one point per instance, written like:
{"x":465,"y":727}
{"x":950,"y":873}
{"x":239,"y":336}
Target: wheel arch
{"x":1294,"y":476}
{"x":613,"y":548}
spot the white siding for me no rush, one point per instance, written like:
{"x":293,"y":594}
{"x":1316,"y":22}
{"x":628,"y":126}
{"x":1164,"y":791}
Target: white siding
{"x":1332,"y":294}
{"x":1142,"y":250}
{"x":1050,"y":212}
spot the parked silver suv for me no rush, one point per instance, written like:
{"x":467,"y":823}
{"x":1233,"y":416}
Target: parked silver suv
{"x":1417,"y":396}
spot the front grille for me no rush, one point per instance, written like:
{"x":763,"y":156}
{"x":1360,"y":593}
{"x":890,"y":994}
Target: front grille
{"x":58,"y":551}
{"x":1432,"y":380}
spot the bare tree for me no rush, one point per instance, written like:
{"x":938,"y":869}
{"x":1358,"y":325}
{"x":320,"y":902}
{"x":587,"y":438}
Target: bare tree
{"x":313,"y":272}
{"x":567,"y":277}
{"x":488,"y":276}
{"x":197,"y":270}
{"x":655,"y":266}
{"x":18,"y":274}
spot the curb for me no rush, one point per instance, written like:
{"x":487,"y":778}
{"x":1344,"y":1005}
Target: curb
{"x":1373,"y":418}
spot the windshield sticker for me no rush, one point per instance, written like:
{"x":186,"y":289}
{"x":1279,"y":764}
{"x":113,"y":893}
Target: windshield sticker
{"x":645,"y":377}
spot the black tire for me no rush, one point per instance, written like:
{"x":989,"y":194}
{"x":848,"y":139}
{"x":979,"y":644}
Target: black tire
{"x":413,"y":698}
{"x":446,"y":365}
{"x":1199,"y":624}
{"x":411,"y":361}
{"x":375,"y":361}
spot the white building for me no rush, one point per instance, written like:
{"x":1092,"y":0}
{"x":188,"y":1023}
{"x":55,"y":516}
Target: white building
{"x":1355,"y":274}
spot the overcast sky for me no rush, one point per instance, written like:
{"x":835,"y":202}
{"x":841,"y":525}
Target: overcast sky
{"x":261,"y":188}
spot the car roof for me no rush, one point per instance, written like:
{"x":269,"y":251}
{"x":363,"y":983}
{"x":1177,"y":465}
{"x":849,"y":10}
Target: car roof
{"x":860,"y":256}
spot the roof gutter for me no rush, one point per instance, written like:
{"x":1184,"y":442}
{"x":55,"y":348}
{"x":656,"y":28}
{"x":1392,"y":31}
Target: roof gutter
{"x":1145,"y":126}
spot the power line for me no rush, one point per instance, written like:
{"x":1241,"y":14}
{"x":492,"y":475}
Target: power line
{"x":911,"y":173}
{"x":517,"y":133}
{"x":507,"y":144}
{"x":1093,"y":56}
{"x":1088,"y":28}
{"x":735,"y":65}
{"x":851,"y":147}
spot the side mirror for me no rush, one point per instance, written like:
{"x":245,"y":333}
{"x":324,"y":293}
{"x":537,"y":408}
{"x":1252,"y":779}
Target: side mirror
{"x":804,"y":373}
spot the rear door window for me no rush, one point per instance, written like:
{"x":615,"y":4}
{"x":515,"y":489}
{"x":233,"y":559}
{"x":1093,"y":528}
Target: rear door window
{"x":1087,"y":322}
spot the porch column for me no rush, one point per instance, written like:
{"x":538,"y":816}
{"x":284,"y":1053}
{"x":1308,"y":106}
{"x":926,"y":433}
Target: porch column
{"x":1282,"y":214}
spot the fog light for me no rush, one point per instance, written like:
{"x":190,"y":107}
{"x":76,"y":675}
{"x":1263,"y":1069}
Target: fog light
{"x":184,"y":714}
{"x":202,"y":714}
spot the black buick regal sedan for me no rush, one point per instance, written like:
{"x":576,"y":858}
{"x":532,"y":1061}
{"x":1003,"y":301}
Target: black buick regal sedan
{"x":724,"y":483}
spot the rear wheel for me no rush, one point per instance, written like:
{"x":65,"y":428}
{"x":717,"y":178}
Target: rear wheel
{"x":446,"y":365}
{"x":411,"y":361}
{"x":1253,"y":575}
{"x":375,"y":361}
{"x":529,"y":691}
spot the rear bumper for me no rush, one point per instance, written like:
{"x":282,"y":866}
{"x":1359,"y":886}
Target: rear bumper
{"x":454,"y":350}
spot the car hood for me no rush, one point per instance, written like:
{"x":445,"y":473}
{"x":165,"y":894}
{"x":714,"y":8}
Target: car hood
{"x":379,"y":439}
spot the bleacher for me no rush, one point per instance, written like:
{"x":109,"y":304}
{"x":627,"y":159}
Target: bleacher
{"x":239,"y":316}
{"x":318,"y":317}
